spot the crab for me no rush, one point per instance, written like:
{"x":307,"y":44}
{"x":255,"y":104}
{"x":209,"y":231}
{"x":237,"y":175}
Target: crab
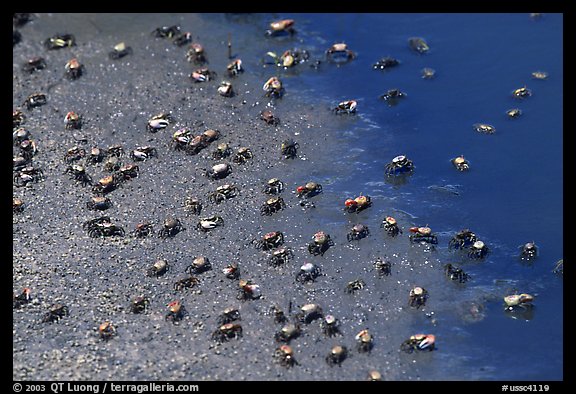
{"x":115,"y":151}
{"x":222,"y":151}
{"x":337,"y":354}
{"x":72,"y":121}
{"x":399,"y":165}
{"x":390,"y":225}
{"x":176,"y":311}
{"x":17,"y":205}
{"x":96,"y":155}
{"x":357,"y":204}
{"x":107,"y":184}
{"x":357,"y":232}
{"x":339,"y":53}
{"x":273,"y":186}
{"x":159,"y":122}
{"x":346,"y":107}
{"x":234,"y":68}
{"x":514,"y":112}
{"x":186,"y":283}
{"x":419,"y":342}
{"x":521,"y":93}
{"x":142,"y":153}
{"x":79,"y":174}
{"x":35,"y":100}
{"x":193,"y":205}
{"x":142,"y":229}
{"x":170,"y":228}
{"x":463,"y":239}
{"x":320,"y":243}
{"x":28,"y":175}
{"x":196,"y":54}
{"x":128,"y":172}
{"x":210,"y":222}
{"x":74,"y":154}
{"x":289,"y":148}
{"x":310,"y":189}
{"x":273,"y":87}
{"x":166,"y":31}
{"x":248,"y":290}
{"x":484,"y":128}
{"x":417,"y":297}
{"x":287,"y":333}
{"x":269,"y":117}
{"x":229,"y":315}
{"x":199,"y":264}
{"x":280,"y":256}
{"x":281,"y":27}
{"x":219,"y":171}
{"x":455,"y":273}
{"x":460,"y":163}
{"x":242,"y":155}
{"x":539,"y":75}
{"x":518,"y":301}
{"x":19,"y":162}
{"x":223,"y":193}
{"x":60,"y":41}
{"x":102,"y":227}
{"x":528,"y":251}
{"x":203,"y":75}
{"x":34,"y":64}
{"x":478,"y":250}
{"x":418,"y":44}
{"x":423,"y":234}
{"x":308,"y":273}
{"x":392,"y":96}
{"x":119,"y":51}
{"x":364,"y":341}
{"x":74,"y":69}
{"x":330,"y":326}
{"x":385,"y":62}
{"x":354,"y":286}
{"x":20,"y":135}
{"x":18,"y":118}
{"x":384,"y":267}
{"x":308,"y":313}
{"x":428,"y":73}
{"x":182,"y":39}
{"x":28,"y":149}
{"x":55,"y":313}
{"x":106,"y":330}
{"x":139,"y":304}
{"x":290,"y":57}
{"x":195,"y":144}
{"x":159,"y":268}
{"x":279,"y":316}
{"x":21,"y":299}
{"x":225,"y":89}
{"x":284,"y":355}
{"x":231,"y":271}
{"x":272,"y":205}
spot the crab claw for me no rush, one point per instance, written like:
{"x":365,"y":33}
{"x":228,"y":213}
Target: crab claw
{"x":427,"y":342}
{"x":350,"y":202}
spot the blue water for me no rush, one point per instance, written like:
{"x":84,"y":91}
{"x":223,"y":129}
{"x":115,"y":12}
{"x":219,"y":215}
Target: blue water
{"x":514,"y":191}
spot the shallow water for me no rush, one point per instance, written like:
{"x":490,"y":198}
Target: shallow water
{"x":512,"y":194}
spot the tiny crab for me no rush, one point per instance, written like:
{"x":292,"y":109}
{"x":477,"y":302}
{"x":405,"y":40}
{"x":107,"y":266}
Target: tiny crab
{"x":60,"y":41}
{"x":308,"y":313}
{"x":142,"y":229}
{"x":106,"y":330}
{"x":289,"y":148}
{"x":159,"y":122}
{"x":463,"y":239}
{"x":418,"y":342}
{"x":196,"y":144}
{"x":199,"y":264}
{"x":308,"y":273}
{"x":337,"y":354}
{"x":102,"y":227}
{"x":310,"y":189}
{"x":196,"y":54}
{"x":186,"y":283}
{"x":74,"y":69}
{"x":418,"y":44}
{"x":28,"y":149}
{"x":166,"y":31}
{"x":225,"y":89}
{"x":176,"y":311}
{"x":514,"y":113}
{"x":272,"y":205}
{"x":107,"y":184}
{"x":399,"y":165}
{"x":280,"y":256}
{"x":19,"y":162}
{"x":28,"y":175}
{"x":478,"y":250}
{"x":281,"y":27}
{"x":517,"y":301}
{"x":357,"y":232}
{"x":339,"y":53}
{"x":229,"y":315}
{"x":55,"y":313}
{"x":330,"y":326}
{"x":364,"y":341}
{"x":74,"y":154}
{"x":127,"y":172}
{"x":354,"y":285}
{"x":20,"y":135}
{"x":231,"y":271}
{"x":142,"y":153}
{"x":21,"y":299}
{"x":357,"y":204}
{"x":193,"y":205}
{"x":287,"y":333}
{"x":273,"y":87}
{"x":269,"y":117}
{"x":34,"y":64}
{"x":170,"y":228}
{"x":139,"y":304}
{"x":521,"y":93}
{"x":418,"y":297}
{"x":528,"y":251}
{"x":115,"y":151}
{"x":181,"y":138}
{"x":374,"y":376}
{"x":223,"y":193}
{"x":79,"y":174}
{"x":242,"y":155}
{"x":182,"y":39}
{"x":423,"y":234}
{"x":539,"y":75}
{"x":96,"y":155}
{"x":320,"y":243}
{"x":248,"y":290}
{"x":35,"y":100}
{"x":390,"y":225}
{"x":428,"y":73}
{"x":222,"y":151}
{"x":460,"y":163}
{"x":17,"y":205}
{"x":119,"y":51}
{"x":392,"y":96}
{"x":159,"y":268}
{"x":210,"y":222}
{"x":279,"y":316}
{"x":202,"y":75}
{"x":384,"y":267}
{"x":273,"y":186}
{"x":234,"y":68}
{"x":385,"y":63}
{"x":455,"y":273}
{"x":72,"y":121}
{"x":346,"y":107}
{"x":484,"y":128}
{"x":284,"y":355}
{"x":219,"y":171}
{"x":18,"y":118}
